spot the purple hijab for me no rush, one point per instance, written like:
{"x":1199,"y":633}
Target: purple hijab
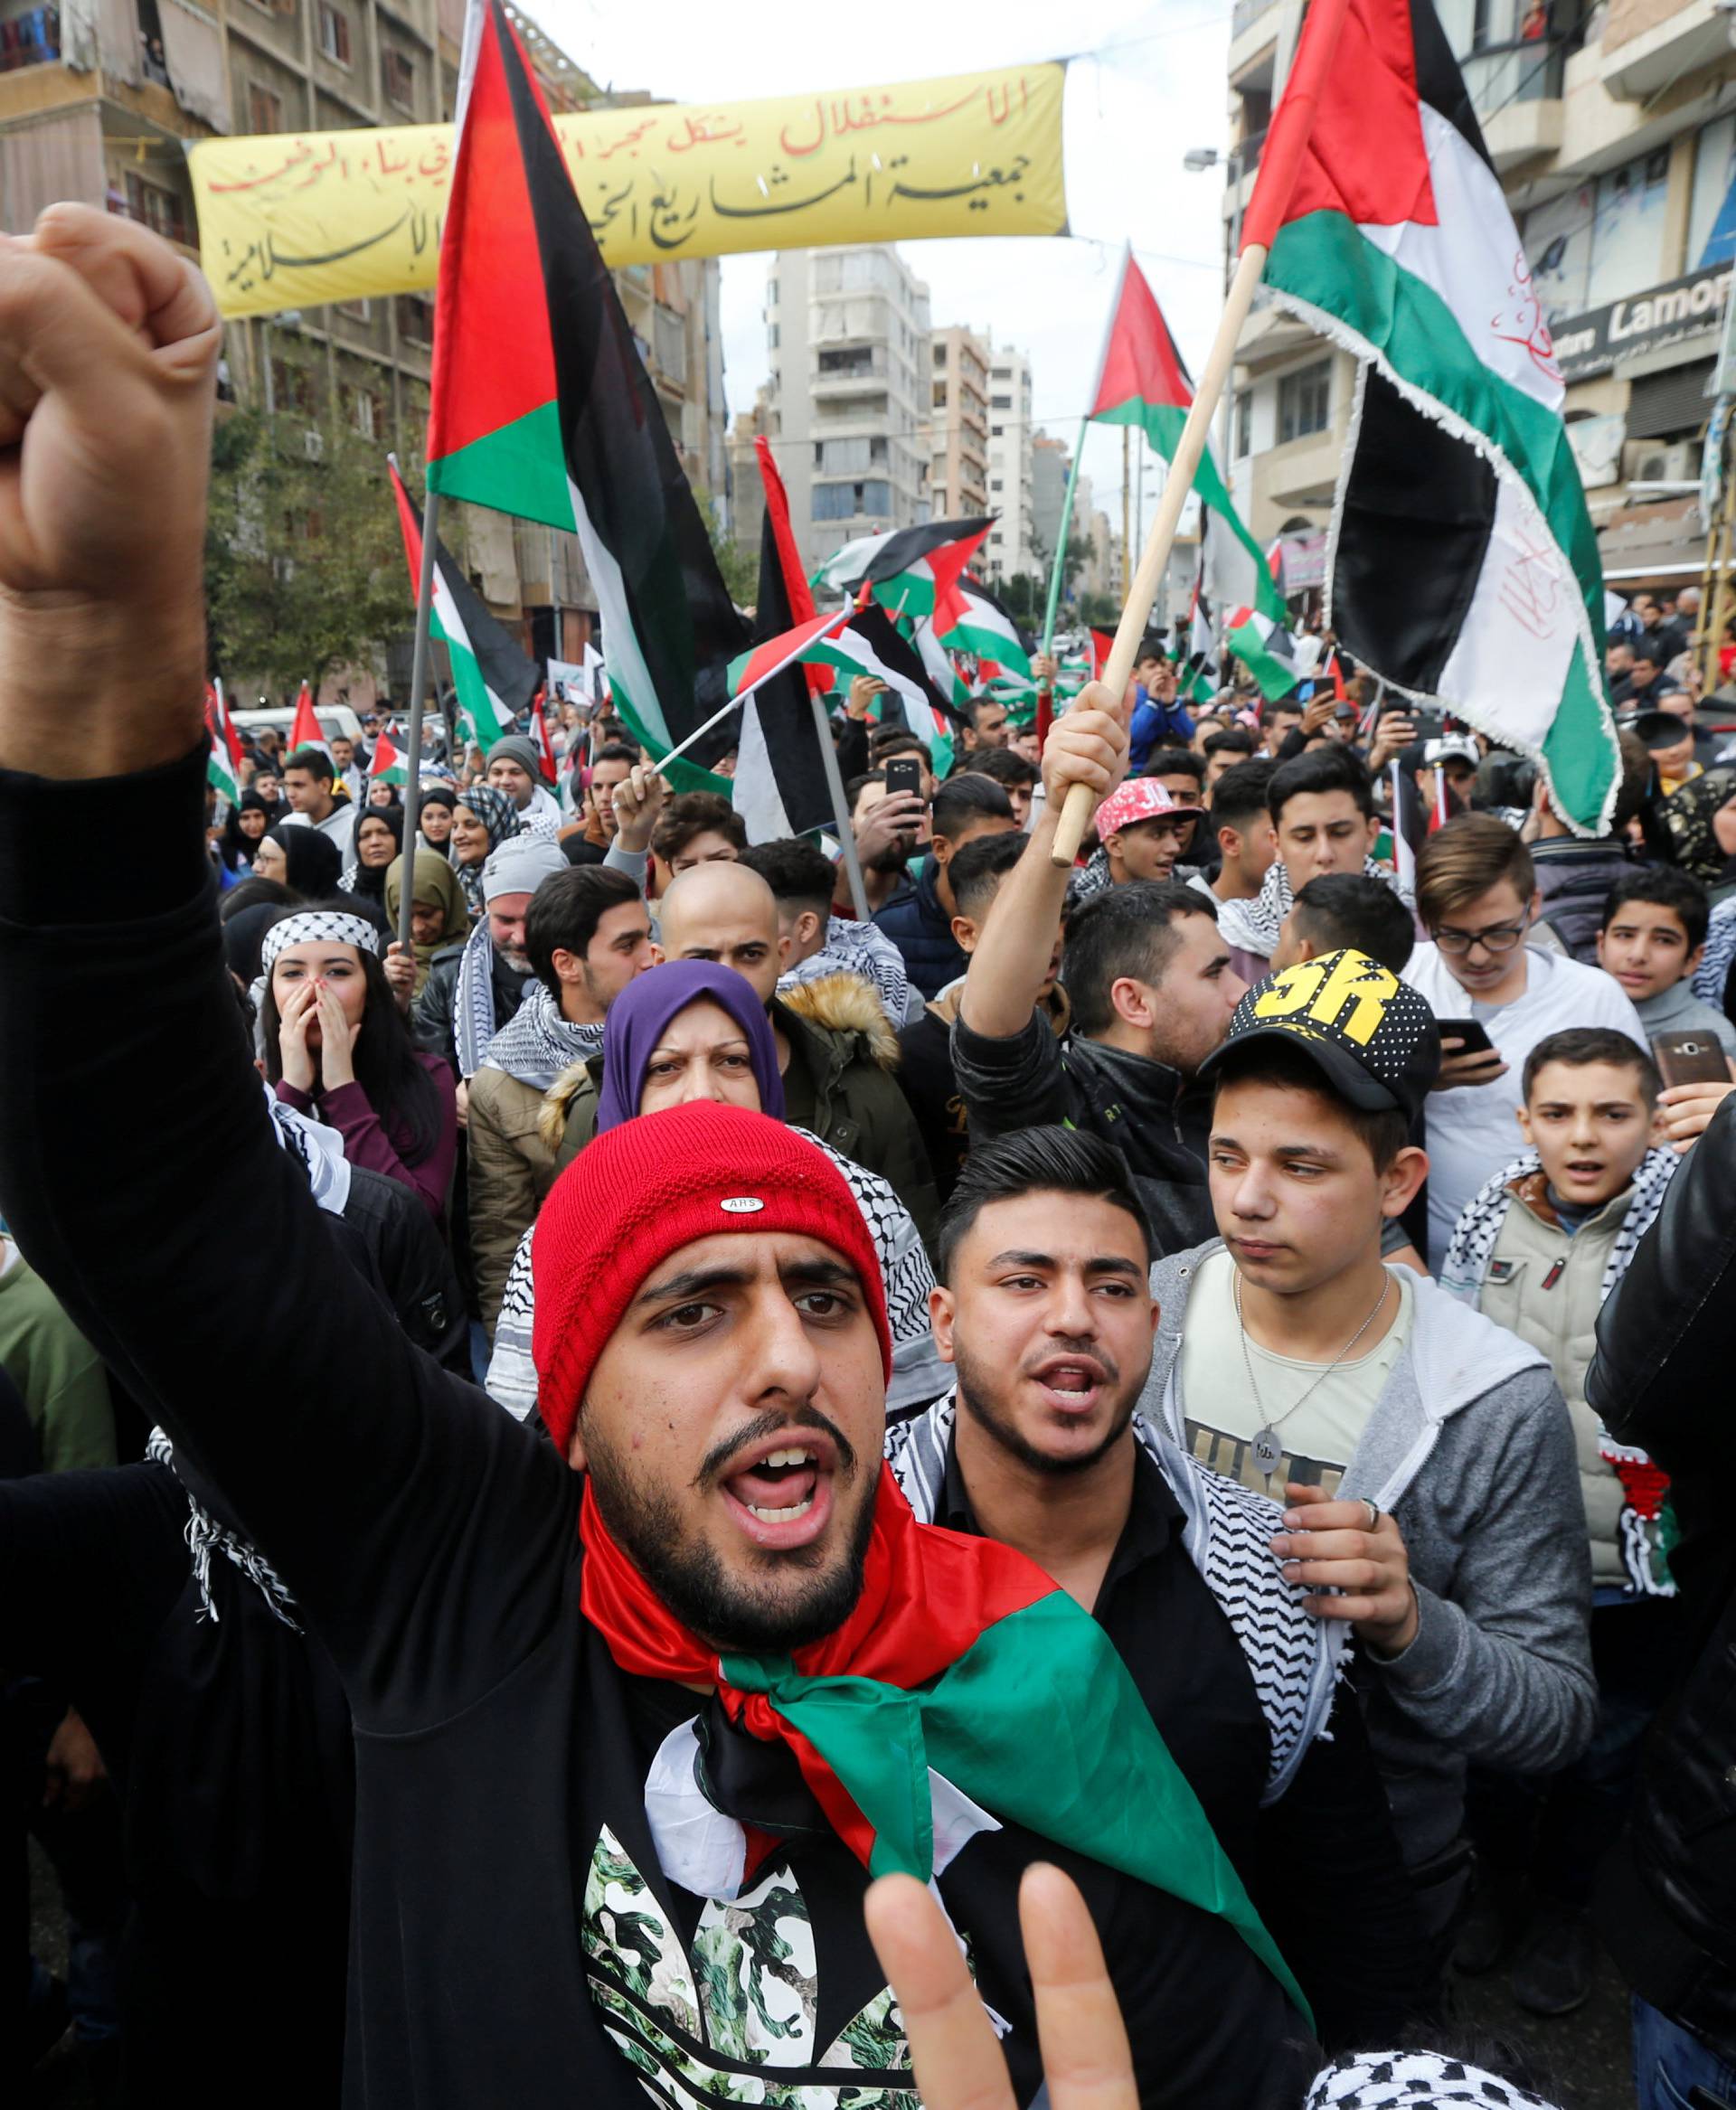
{"x":640,"y":1014}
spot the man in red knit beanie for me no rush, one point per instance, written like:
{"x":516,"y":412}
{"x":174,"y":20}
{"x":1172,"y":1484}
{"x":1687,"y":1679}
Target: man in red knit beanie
{"x":628,"y":1741}
{"x":712,"y":1349}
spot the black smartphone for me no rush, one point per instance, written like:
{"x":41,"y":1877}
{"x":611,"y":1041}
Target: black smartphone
{"x":903,"y":774}
{"x":1690,"y":1057}
{"x":1471,"y":1033}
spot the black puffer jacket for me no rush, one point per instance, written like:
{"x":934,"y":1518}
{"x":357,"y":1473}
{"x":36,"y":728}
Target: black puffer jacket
{"x":1666,"y":1905}
{"x":1574,"y":879}
{"x":388,"y":1237}
{"x":431,"y":1016}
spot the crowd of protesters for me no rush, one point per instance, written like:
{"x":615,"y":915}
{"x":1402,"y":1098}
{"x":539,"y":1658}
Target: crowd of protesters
{"x":506,"y":1462}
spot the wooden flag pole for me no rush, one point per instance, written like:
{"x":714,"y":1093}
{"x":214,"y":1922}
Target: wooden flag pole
{"x":418,"y":680}
{"x":1141,"y":589}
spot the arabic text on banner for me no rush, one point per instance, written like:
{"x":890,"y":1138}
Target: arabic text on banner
{"x":295,"y":219}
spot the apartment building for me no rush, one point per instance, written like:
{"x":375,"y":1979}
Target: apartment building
{"x":1612,"y":129}
{"x":1010,"y":549}
{"x":957,"y":432}
{"x":850,"y":401}
{"x":99,"y":100}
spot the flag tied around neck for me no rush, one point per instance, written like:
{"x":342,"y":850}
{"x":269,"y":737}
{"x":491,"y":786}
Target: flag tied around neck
{"x":1464,"y":567}
{"x":962,"y":1656}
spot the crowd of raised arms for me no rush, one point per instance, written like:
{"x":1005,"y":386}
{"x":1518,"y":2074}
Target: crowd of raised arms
{"x":1104,"y":1483}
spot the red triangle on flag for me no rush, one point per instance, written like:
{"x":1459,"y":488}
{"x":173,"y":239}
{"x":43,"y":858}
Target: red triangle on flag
{"x":1140,"y":361}
{"x":945,"y":564}
{"x":305,"y":732}
{"x":488,"y":371}
{"x":385,"y":757}
{"x":544,"y":745}
{"x":1347,"y":135}
{"x":1102,"y":645}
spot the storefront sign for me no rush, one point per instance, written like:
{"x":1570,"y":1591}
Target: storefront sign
{"x":1646,"y":322}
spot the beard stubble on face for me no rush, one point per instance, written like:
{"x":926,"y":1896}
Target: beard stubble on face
{"x":976,"y":1395}
{"x":730,"y":1616}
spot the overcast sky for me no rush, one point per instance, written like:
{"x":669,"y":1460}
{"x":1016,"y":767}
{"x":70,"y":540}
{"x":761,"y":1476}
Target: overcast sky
{"x":1152,"y":88}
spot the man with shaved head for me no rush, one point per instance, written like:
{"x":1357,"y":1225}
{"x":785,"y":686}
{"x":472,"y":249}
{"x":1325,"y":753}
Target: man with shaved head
{"x":834,"y":1047}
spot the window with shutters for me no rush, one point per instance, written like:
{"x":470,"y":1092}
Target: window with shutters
{"x":398,"y":79}
{"x":1305,"y":402}
{"x":334,"y":32}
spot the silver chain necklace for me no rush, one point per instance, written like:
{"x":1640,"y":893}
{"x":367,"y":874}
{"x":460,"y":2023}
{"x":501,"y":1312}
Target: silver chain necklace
{"x":1268,"y":1450}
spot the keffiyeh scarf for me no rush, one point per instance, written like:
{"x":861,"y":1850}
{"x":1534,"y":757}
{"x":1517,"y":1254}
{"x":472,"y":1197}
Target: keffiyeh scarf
{"x":537,"y":1044}
{"x":472,"y":999}
{"x":1646,"y":1529}
{"x":1252,"y":927}
{"x":860,"y":949}
{"x":1409,"y":2080}
{"x":317,"y":926}
{"x":1713,"y":971}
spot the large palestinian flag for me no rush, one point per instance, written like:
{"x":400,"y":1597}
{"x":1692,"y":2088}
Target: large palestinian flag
{"x":1141,"y":382}
{"x":493,"y":678}
{"x":541,"y":405}
{"x":1463,"y":564}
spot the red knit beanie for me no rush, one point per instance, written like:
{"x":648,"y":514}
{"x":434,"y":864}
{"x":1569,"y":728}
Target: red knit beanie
{"x":639,"y":1193}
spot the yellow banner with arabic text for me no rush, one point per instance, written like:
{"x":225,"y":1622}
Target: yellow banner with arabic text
{"x":295,"y":219}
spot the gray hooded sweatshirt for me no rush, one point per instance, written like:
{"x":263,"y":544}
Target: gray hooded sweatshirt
{"x":1470,"y":1448}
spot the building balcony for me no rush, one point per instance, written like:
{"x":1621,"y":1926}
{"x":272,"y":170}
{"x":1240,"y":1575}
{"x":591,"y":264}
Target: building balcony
{"x":1650,"y":45}
{"x":1300,"y":474}
{"x":1515,"y":89}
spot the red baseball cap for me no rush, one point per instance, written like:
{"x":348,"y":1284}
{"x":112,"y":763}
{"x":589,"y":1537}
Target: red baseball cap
{"x":1140,"y":799}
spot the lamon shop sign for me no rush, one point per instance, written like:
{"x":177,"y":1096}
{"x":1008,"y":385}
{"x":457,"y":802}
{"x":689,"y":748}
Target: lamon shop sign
{"x":1646,"y":322}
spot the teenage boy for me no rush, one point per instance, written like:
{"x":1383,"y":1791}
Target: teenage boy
{"x":1425,"y":1454}
{"x":307,"y":784}
{"x":1477,"y":896}
{"x":1538,"y":1248}
{"x":1241,"y":829}
{"x":1142,"y":831}
{"x":1321,"y":806}
{"x":925,"y":1071}
{"x":1652,"y":941}
{"x":919,"y":921}
{"x":1045,"y":1312}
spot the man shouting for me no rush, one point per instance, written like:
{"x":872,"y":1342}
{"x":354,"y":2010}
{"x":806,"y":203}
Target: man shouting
{"x":637,"y":1709}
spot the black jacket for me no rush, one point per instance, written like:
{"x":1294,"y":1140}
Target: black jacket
{"x":919,"y":927}
{"x":1157,"y":1118}
{"x":431,"y":1016}
{"x":1666,"y":1905}
{"x":1574,"y":877}
{"x":513,"y":1937}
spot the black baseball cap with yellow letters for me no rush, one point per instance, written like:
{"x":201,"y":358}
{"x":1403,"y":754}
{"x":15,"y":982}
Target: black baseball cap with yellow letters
{"x":1373,"y":1036}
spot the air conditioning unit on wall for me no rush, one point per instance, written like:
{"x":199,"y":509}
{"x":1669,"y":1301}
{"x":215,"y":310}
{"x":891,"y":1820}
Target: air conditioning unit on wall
{"x":1652,"y":461}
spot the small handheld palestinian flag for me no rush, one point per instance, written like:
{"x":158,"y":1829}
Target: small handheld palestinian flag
{"x":223,"y":766}
{"x":909,"y":568}
{"x":388,"y":765}
{"x":493,"y":678}
{"x":1263,"y":648}
{"x":304,"y":731}
{"x":780,"y":787}
{"x":1142,"y":381}
{"x":546,"y":759}
{"x":1465,"y":566}
{"x":984,"y":626}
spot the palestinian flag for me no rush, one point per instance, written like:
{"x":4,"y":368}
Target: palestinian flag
{"x":908,"y":569}
{"x":541,"y":405}
{"x":224,"y":765}
{"x":493,"y":678}
{"x":930,"y":700}
{"x":547,"y":761}
{"x":780,"y":787}
{"x":785,"y":597}
{"x":1201,"y":667}
{"x":984,"y":626}
{"x":304,"y":731}
{"x":912,"y":1724}
{"x":387,"y":765}
{"x":1263,"y":648}
{"x":1464,"y":563}
{"x":1141,"y":382}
